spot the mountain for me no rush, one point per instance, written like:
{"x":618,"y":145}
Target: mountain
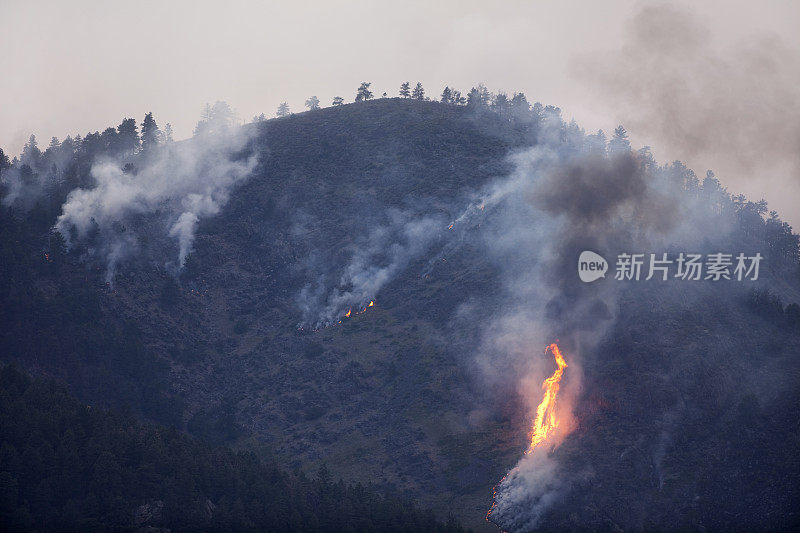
{"x":684,"y":395}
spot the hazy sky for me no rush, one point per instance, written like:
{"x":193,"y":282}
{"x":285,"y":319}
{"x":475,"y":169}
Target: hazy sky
{"x":79,"y":66}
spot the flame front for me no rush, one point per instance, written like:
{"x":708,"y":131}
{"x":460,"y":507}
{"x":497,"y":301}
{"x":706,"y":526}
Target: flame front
{"x":543,"y":424}
{"x":546,"y":420}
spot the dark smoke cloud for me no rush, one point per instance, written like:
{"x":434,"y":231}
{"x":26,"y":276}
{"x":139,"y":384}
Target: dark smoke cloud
{"x":736,"y":109}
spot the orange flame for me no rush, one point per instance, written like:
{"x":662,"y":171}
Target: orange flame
{"x":546,"y":420}
{"x":358,"y":311}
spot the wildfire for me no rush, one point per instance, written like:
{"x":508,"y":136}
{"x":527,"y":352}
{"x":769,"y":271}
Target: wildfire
{"x":350,"y":311}
{"x":546,"y":420}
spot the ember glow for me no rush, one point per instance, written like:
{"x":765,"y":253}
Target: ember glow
{"x":546,"y":420}
{"x":350,"y":311}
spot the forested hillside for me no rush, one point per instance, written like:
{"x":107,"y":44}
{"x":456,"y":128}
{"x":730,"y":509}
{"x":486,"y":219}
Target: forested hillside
{"x":68,"y":466}
{"x":239,"y":313}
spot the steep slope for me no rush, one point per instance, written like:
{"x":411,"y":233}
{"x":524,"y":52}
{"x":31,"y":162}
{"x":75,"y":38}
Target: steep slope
{"x":383,"y":397}
{"x":394,"y":395}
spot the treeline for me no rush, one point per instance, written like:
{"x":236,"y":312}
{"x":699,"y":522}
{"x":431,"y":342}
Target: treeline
{"x":478,"y":96}
{"x":61,"y":291}
{"x":71,"y":467}
{"x":39,"y":180}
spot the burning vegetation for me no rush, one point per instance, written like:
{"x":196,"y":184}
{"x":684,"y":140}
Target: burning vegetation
{"x":546,"y":420}
{"x":350,"y":311}
{"x":544,"y":425}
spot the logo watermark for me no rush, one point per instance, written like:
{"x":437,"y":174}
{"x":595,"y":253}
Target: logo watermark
{"x":591,"y":266}
{"x":684,"y":266}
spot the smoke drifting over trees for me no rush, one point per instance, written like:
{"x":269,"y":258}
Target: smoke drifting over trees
{"x":570,"y":192}
{"x":735,"y":109}
{"x":375,"y":259}
{"x":131,"y":176}
{"x":330,"y":209}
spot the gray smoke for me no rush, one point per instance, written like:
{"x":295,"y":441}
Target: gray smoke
{"x":184,"y":182}
{"x":734,"y":109}
{"x":375,"y":259}
{"x":18,"y":190}
{"x":556,"y":204}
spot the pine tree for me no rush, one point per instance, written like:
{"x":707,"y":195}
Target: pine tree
{"x":108,"y":141}
{"x":418,"y":93}
{"x":519,"y":102}
{"x":283,"y":110}
{"x":363,"y":93}
{"x":501,"y":103}
{"x":31,"y":155}
{"x":405,"y":90}
{"x":598,"y":142}
{"x":479,"y":96}
{"x":312,"y":103}
{"x":128,"y":141}
{"x":222,"y":116}
{"x":337,"y":101}
{"x":215,"y":119}
{"x":4,"y":162}
{"x":151,"y":135}
{"x":619,"y":142}
{"x":447,"y":96}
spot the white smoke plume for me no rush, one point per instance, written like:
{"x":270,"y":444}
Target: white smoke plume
{"x":527,"y":491}
{"x":374,"y":261}
{"x":183,"y":230}
{"x":557,"y":203}
{"x":183,"y":182}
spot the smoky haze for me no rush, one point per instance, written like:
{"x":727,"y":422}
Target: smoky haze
{"x":733,"y":108}
{"x":71,"y":68}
